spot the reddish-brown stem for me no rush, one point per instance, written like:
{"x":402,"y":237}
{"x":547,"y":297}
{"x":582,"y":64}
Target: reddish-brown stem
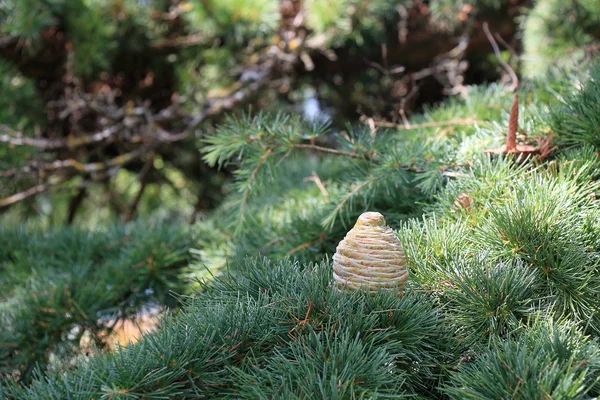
{"x":513,"y":125}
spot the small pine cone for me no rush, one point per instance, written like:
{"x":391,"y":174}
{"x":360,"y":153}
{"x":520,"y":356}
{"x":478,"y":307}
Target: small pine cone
{"x":370,"y":257}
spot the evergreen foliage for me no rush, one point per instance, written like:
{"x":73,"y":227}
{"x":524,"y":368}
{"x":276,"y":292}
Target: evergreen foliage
{"x":547,"y":361}
{"x":550,"y":38}
{"x":577,"y":121}
{"x":239,"y":340}
{"x":504,"y":251}
{"x":504,"y":255}
{"x":21,"y":109}
{"x":68,"y":284}
{"x":129,"y":72}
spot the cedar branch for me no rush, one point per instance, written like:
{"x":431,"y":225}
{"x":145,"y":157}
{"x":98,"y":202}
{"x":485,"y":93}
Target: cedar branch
{"x":433,"y":124}
{"x":248,"y":186}
{"x":181,"y":41}
{"x":508,"y":68}
{"x":325,"y":150}
{"x":70,"y":142}
{"x":348,"y":196}
{"x":32,"y":191}
{"x":77,"y":165}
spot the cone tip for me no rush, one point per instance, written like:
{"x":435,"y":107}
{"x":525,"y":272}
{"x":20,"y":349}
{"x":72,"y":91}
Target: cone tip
{"x":370,"y":219}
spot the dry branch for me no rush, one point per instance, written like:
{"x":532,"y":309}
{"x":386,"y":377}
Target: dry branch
{"x":35,"y":166}
{"x":433,"y":124}
{"x":32,"y":191}
{"x":149,"y":136}
{"x":181,"y":41}
{"x":71,"y":142}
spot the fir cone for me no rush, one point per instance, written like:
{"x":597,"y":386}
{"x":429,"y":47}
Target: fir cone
{"x":370,"y":257}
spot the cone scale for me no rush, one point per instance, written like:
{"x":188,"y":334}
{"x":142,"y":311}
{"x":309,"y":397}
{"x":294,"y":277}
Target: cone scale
{"x":370,"y":257}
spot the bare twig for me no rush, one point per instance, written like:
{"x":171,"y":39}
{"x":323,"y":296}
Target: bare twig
{"x":77,"y":165}
{"x":75,"y":203}
{"x":315,"y":178}
{"x":508,"y":68}
{"x":434,"y":124}
{"x":358,"y":188}
{"x":303,"y":246}
{"x":143,"y":183}
{"x":228,"y":103}
{"x":55,"y":144}
{"x":325,"y":150}
{"x":181,"y":41}
{"x":32,"y":191}
{"x":508,"y":47}
{"x":403,"y":116}
{"x":513,"y":122}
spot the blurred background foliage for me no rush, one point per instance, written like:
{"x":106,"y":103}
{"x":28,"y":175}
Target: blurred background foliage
{"x":72,"y":68}
{"x":154,"y":76}
{"x":133,"y":137}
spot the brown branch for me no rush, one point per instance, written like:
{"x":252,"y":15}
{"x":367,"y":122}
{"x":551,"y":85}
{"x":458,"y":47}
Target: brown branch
{"x":70,"y":142}
{"x":143,"y":183}
{"x":434,"y":124}
{"x":513,"y":122}
{"x":77,"y":165}
{"x":228,"y":103}
{"x":303,"y":246}
{"x":358,"y":188}
{"x":213,"y":108}
{"x":508,"y":47}
{"x":75,"y":203}
{"x":35,"y":190}
{"x":147,"y":140}
{"x":315,"y":178}
{"x":181,"y":41}
{"x":324,"y":150}
{"x":508,"y":68}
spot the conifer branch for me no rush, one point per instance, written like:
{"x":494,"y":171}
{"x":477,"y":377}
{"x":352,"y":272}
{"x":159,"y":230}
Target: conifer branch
{"x":248,"y":187}
{"x":330,"y":220}
{"x":306,"y":245}
{"x":70,"y":142}
{"x":433,"y":124}
{"x":508,"y":68}
{"x":146,"y":169}
{"x":151,"y":135}
{"x":32,"y":191}
{"x":75,"y":204}
{"x":315,"y":178}
{"x":36,"y":166}
{"x":179,"y":42}
{"x":325,"y":150}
